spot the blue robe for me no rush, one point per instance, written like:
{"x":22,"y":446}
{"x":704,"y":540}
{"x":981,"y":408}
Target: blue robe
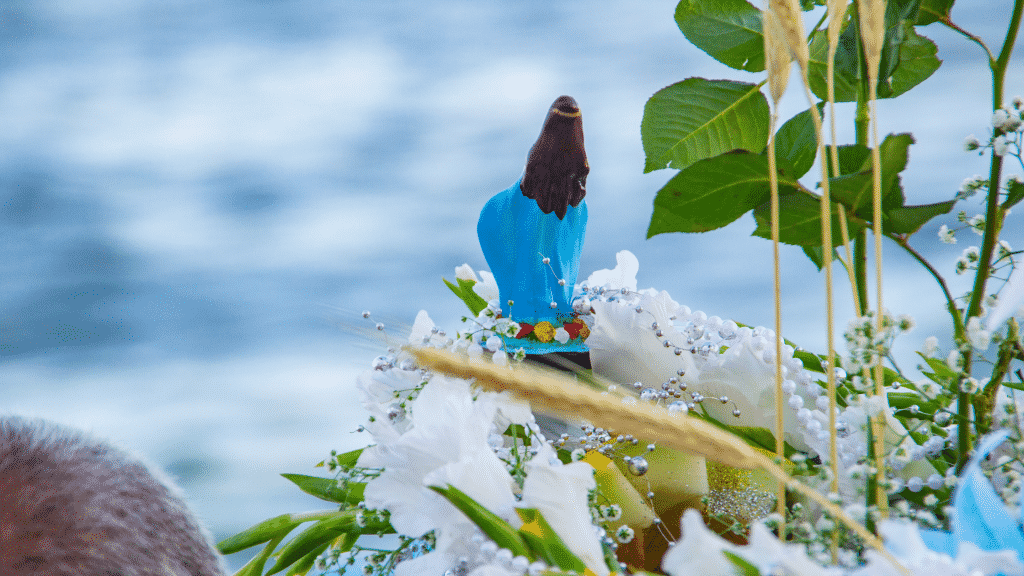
{"x":515,"y":237}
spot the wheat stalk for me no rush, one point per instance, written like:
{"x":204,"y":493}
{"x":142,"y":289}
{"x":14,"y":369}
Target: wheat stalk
{"x":560,"y":394}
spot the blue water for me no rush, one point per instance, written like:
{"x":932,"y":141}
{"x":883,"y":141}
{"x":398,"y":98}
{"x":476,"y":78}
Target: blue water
{"x":197,"y":199}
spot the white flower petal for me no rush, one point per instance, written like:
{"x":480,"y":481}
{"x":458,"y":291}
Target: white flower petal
{"x":622,"y":276}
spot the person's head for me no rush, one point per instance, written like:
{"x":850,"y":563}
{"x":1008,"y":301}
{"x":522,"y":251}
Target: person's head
{"x":71,"y":505}
{"x":557,"y":168}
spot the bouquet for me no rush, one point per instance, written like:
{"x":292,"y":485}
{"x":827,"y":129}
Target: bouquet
{"x":693,"y":444}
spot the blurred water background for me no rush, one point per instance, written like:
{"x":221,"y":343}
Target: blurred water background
{"x":198,"y":198}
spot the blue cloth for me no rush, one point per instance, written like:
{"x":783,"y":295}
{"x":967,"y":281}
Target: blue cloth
{"x":979,"y":515}
{"x":515,"y":237}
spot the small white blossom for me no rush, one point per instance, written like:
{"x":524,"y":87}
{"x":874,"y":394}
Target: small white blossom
{"x":999,"y":119}
{"x":953,"y":360}
{"x":1017,"y":102}
{"x":971,"y":143}
{"x":1006,"y":119}
{"x":561,"y":335}
{"x":999,"y":145}
{"x":494,"y":343}
{"x":970,"y":186}
{"x":971,"y":254}
{"x":931,"y":346}
{"x":976,"y":335}
{"x":977,"y":223}
{"x":946,"y":235}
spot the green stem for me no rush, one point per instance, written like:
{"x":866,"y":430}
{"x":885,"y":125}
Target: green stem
{"x":985,"y":402}
{"x":958,"y":323}
{"x":945,"y":21}
{"x":993,"y":224}
{"x":860,"y":270}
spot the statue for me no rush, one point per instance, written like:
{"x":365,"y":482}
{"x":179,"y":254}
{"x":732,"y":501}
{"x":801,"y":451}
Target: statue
{"x":532,"y":234}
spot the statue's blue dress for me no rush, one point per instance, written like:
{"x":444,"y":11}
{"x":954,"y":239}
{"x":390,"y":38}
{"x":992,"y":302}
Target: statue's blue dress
{"x":516,"y":236}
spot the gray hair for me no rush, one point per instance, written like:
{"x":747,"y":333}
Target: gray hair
{"x":72,"y":505}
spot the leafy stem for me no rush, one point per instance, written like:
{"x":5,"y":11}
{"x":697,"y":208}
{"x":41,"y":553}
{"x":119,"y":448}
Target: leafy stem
{"x":993,"y":223}
{"x":945,"y":21}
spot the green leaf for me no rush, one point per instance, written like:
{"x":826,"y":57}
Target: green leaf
{"x":303,"y":566}
{"x":941,"y":372}
{"x":852,"y":158}
{"x":933,"y":11}
{"x":817,"y":256}
{"x":466,"y":293}
{"x":255,"y":566}
{"x":910,"y":219}
{"x":1014,"y":194}
{"x":810,"y":361}
{"x":795,"y":141}
{"x":697,"y":119}
{"x":728,"y":30}
{"x":715,"y":192}
{"x":327,"y":488}
{"x":916,"y":63}
{"x":493,"y":526}
{"x":743,"y":568}
{"x":518,"y":431}
{"x":311,"y":538}
{"x":348,"y":459}
{"x":258,"y":534}
{"x":856,"y":190}
{"x":800,"y":220}
{"x":545,"y":543}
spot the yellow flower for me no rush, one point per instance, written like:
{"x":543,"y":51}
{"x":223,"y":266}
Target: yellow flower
{"x":544,"y":331}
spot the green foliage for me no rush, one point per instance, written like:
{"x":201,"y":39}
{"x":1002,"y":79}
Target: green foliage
{"x":795,"y":141}
{"x":916,"y":62}
{"x":493,"y":526}
{"x":328,"y":489}
{"x":714,"y":192}
{"x":545,"y":543}
{"x":1014,"y":194}
{"x":743,"y":568}
{"x":728,"y":30}
{"x":933,"y":11}
{"x":697,"y":119}
{"x":464,"y":290}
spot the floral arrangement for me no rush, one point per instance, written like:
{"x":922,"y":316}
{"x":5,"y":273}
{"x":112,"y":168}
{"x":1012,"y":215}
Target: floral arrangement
{"x":696,"y":444}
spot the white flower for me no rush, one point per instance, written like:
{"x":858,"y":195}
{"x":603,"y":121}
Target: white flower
{"x":624,"y":348}
{"x":946,"y":235}
{"x":1011,"y":298}
{"x":698,"y":552}
{"x":487,"y":288}
{"x":999,"y":145}
{"x":561,"y":335}
{"x":446,"y":445}
{"x":976,"y":335}
{"x":465,"y":272}
{"x":931,"y":346}
{"x":903,"y":541}
{"x":560,"y":492}
{"x":999,"y":118}
{"x":971,"y":254}
{"x":494,"y":343}
{"x":1006,"y":119}
{"x":770,"y":556}
{"x":622,"y":276}
{"x":971,"y":143}
{"x":423,"y":331}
